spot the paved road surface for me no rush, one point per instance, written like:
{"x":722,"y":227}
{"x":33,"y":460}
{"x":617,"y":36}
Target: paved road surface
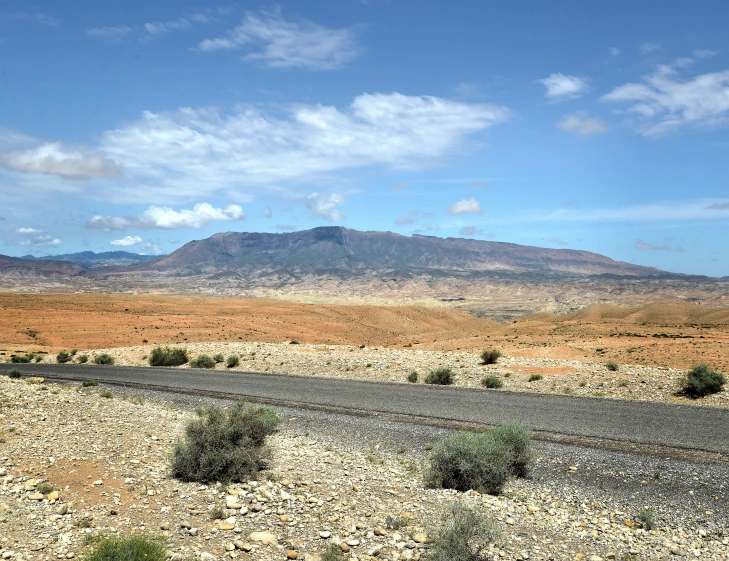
{"x":681,"y":426}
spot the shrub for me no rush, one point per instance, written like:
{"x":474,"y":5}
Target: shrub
{"x":89,"y":383}
{"x":83,"y":359}
{"x":480,"y":461}
{"x":493,"y":382}
{"x":107,"y":394}
{"x":203,"y":361}
{"x":413,"y":377}
{"x":332,"y":553}
{"x":168,"y":356}
{"x":442,"y":376}
{"x":38,"y":358}
{"x":218,"y":358}
{"x":14,"y":373}
{"x":463,"y":535}
{"x":138,"y":547}
{"x":535,"y":377}
{"x":490,"y":356}
{"x":233,"y":361}
{"x":612,"y":366}
{"x":45,"y":488}
{"x":646,"y":518}
{"x":73,"y":352}
{"x":20,"y":359}
{"x":63,"y":357}
{"x":104,"y":359}
{"x":396,"y":522}
{"x":217,"y":513}
{"x":224,"y":444}
{"x":701,"y":381}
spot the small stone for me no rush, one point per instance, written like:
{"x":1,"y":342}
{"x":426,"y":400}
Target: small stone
{"x":98,"y":482}
{"x":595,"y":558}
{"x":62,"y":509}
{"x":229,"y":547}
{"x":344,"y":547}
{"x":610,"y":555}
{"x":7,"y":554}
{"x":420,"y":537}
{"x":266,"y":538}
{"x":36,"y":497}
{"x":226,"y":526}
{"x":325,"y":535}
{"x":53,"y":495}
{"x":675,"y":550}
{"x":353,"y":543}
{"x":292,"y":554}
{"x":380,"y":532}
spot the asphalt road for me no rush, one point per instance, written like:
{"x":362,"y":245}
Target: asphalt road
{"x":678,"y":426}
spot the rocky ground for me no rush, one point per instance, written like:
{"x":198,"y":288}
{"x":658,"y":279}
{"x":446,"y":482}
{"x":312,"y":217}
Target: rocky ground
{"x":79,"y":462}
{"x":578,"y":377}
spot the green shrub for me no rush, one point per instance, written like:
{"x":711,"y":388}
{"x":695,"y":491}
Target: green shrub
{"x":89,"y":383}
{"x":168,"y":356}
{"x":535,"y":377}
{"x":332,"y":553}
{"x":490,"y":356}
{"x":73,"y":352}
{"x":83,"y":359}
{"x":107,"y":394}
{"x":646,"y":518}
{"x":396,"y":522}
{"x":38,"y":358}
{"x":463,"y":535}
{"x":413,"y":377}
{"x":480,"y":461}
{"x":224,"y":444}
{"x":233,"y":361}
{"x":442,"y":376}
{"x":217,"y":513}
{"x":203,"y":361}
{"x":218,"y":358}
{"x":104,"y":359}
{"x":612,"y":366}
{"x":701,"y":381}
{"x":15,"y":359}
{"x":63,"y":357}
{"x":45,"y":488}
{"x":138,"y":547}
{"x":493,"y":382}
{"x":14,"y":373}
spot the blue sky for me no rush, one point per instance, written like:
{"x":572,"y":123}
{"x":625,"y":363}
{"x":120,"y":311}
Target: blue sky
{"x":585,"y":125}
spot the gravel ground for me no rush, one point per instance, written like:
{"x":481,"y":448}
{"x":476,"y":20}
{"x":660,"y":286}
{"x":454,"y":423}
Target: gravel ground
{"x":646,"y":383}
{"x":334,"y":478}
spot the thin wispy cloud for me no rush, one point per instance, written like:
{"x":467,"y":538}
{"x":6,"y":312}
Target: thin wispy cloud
{"x":717,"y":206}
{"x":54,"y":158}
{"x":664,"y":102}
{"x":643,"y":246}
{"x":470,"y":231}
{"x":34,"y":16}
{"x":582,"y":124}
{"x":647,"y":48}
{"x":278,"y":43}
{"x":562,"y":87}
{"x":401,"y":185}
{"x":150,"y":30}
{"x":404,"y":220}
{"x":166,"y":218}
{"x":34,"y":237}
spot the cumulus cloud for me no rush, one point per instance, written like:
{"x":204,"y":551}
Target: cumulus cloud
{"x":561,"y":87}
{"x":324,"y":205}
{"x":643,"y":246}
{"x":166,"y":218}
{"x":149,"y":248}
{"x":286,"y":44}
{"x":267,"y":212}
{"x":33,"y":237}
{"x":663,"y":102}
{"x":582,"y":124}
{"x":466,"y":206}
{"x":403,"y":220}
{"x":210,"y":151}
{"x":126,"y":241}
{"x":54,"y":158}
{"x":469,"y":231}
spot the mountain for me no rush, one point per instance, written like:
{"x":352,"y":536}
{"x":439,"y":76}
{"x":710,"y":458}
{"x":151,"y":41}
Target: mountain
{"x":21,"y":269}
{"x":89,"y":259}
{"x":344,"y":252}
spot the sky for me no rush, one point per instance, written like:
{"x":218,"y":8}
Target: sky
{"x":140,"y":126}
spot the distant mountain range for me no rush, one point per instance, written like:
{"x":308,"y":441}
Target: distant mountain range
{"x":494,"y":279}
{"x":89,"y":259}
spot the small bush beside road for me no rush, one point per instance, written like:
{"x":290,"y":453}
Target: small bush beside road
{"x":442,"y":376}
{"x":168,"y":356}
{"x":701,"y":381}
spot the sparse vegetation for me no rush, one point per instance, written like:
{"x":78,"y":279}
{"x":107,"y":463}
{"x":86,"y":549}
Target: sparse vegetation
{"x":480,"y":461}
{"x":107,"y":394}
{"x":218,"y":358}
{"x":217,"y":513}
{"x":646,"y":518}
{"x":104,"y":358}
{"x":492,"y":382}
{"x":490,"y":356}
{"x":463,"y":535}
{"x":612,"y":366}
{"x":413,"y":377}
{"x":224,"y":444}
{"x":45,"y":488}
{"x":14,"y":373}
{"x":137,"y":547}
{"x":168,"y":356}
{"x":232,"y":361}
{"x":17,"y":359}
{"x":203,"y":361}
{"x":701,"y":381}
{"x":332,"y":553}
{"x":396,"y":522}
{"x":63,"y":357}
{"x":535,"y":377}
{"x":442,"y":376}
{"x":74,"y":352}
{"x":89,"y":383}
{"x":83,"y":359}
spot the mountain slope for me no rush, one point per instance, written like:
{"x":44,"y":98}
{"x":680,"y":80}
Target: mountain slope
{"x":89,"y":259}
{"x":13,"y":267}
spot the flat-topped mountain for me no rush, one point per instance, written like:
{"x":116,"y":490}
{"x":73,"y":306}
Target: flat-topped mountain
{"x":337,"y":250}
{"x":89,"y":259}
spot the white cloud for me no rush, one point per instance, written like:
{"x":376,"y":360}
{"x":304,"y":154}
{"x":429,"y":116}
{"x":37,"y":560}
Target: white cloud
{"x":646,"y":48}
{"x":161,"y":27}
{"x":466,"y":206}
{"x":285,"y":44}
{"x":165,"y":218}
{"x":199,"y":152}
{"x":663,"y":102}
{"x":127,"y":241}
{"x":582,"y":124}
{"x":149,"y":248}
{"x":32,"y":237}
{"x":267,"y":212}
{"x":32,"y":15}
{"x":324,"y":205}
{"x":112,"y":34}
{"x":54,"y":158}
{"x":704,"y":53}
{"x":561,"y":86}
{"x":643,"y":246}
{"x":145,"y":32}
